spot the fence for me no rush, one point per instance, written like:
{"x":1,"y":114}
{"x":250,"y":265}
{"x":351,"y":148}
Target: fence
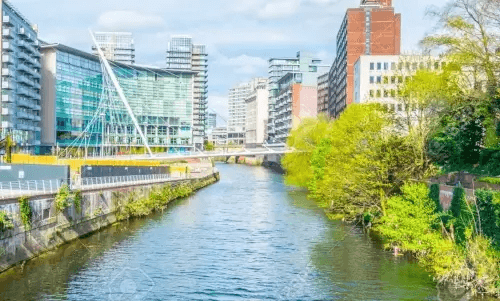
{"x":30,"y":188}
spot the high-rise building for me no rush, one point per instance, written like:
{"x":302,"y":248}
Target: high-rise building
{"x":297,"y":99}
{"x":78,"y":110}
{"x":323,"y":94}
{"x":182,"y":54}
{"x":237,"y":113}
{"x":371,"y":29}
{"x":116,"y":46}
{"x":20,"y":110}
{"x":257,"y":105}
{"x":279,"y":67}
{"x":211,"y":121}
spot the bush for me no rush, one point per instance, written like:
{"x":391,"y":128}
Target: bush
{"x":5,"y":221}
{"x":488,"y":206}
{"x":26,"y":213}
{"x":77,"y":200}
{"x":489,"y":180}
{"x":62,"y":198}
{"x":434,"y":195}
{"x":463,"y":217}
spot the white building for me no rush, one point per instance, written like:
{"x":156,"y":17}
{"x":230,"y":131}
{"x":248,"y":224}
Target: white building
{"x":377,"y":77}
{"x":218,"y":136}
{"x":257,"y":104}
{"x":117,"y":46}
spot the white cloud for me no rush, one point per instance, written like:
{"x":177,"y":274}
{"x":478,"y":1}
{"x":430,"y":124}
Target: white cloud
{"x":219,"y":104}
{"x":279,"y":9}
{"x":244,"y":64}
{"x":128,"y":19}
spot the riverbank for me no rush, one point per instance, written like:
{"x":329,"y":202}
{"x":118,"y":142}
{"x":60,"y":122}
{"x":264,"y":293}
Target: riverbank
{"x":50,"y":225}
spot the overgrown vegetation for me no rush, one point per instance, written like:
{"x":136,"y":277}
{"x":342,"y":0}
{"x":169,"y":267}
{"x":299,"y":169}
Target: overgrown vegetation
{"x":77,"y":200}
{"x":62,"y":199}
{"x":25,"y":211}
{"x":5,"y":221}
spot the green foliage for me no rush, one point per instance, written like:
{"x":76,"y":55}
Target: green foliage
{"x":62,"y":198}
{"x":409,"y":219}
{"x":26,"y":212}
{"x":489,"y":180}
{"x":463,"y":217}
{"x":488,"y":206}
{"x":209,"y":146}
{"x":434,"y":195}
{"x":5,"y":221}
{"x":77,"y":200}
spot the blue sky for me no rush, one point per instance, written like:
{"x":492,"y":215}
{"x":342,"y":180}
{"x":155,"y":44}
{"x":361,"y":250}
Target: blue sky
{"x":240,"y":34}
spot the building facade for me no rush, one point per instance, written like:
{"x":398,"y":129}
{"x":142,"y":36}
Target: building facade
{"x":371,"y":29}
{"x":20,"y":85}
{"x":182,"y":54}
{"x":237,"y":113}
{"x":257,"y":104}
{"x":211,"y":121}
{"x":81,"y":110}
{"x":279,"y":67}
{"x":297,"y":99}
{"x":218,"y":136}
{"x":117,"y":46}
{"x":377,"y":77}
{"x":323,"y":94}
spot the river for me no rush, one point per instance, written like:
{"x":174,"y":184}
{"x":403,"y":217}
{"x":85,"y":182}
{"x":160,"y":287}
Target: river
{"x":248,"y":237}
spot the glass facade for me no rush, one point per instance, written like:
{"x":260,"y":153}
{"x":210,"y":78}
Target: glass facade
{"x":89,"y":113}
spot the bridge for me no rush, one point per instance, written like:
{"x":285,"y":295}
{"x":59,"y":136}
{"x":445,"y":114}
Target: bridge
{"x":266,"y":150}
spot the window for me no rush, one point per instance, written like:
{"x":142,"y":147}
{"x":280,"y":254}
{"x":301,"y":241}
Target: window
{"x":400,"y":79}
{"x":379,"y":66}
{"x":379,"y":79}
{"x":400,"y":107}
{"x":386,"y":93}
{"x":393,"y":66}
{"x":393,"y":93}
{"x":379,"y":94}
{"x":372,"y":66}
{"x":386,"y":66}
{"x":372,"y":93}
{"x":393,"y":79}
{"x":372,"y":79}
{"x":414,"y":66}
{"x":386,"y":79}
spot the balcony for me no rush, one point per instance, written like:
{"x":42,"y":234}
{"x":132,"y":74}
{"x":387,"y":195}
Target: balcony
{"x":23,"y":91}
{"x":23,"y":56}
{"x":25,"y":81}
{"x":7,"y":84}
{"x":23,"y":32}
{"x":38,"y":129}
{"x":23,"y":102}
{"x":7,"y":21}
{"x":37,"y":108}
{"x":7,"y":72}
{"x":7,"y":125}
{"x":7,"y":97}
{"x":23,"y":68}
{"x":7,"y":46}
{"x":7,"y":59}
{"x":37,"y":118}
{"x":23,"y":115}
{"x":35,"y":96}
{"x":5,"y":111}
{"x":7,"y":33}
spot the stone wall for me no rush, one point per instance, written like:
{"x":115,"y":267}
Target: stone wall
{"x":50,"y":229}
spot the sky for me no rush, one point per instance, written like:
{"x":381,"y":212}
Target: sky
{"x":241,"y":35}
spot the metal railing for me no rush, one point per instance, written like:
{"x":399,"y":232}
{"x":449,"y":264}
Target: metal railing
{"x":29,"y":188}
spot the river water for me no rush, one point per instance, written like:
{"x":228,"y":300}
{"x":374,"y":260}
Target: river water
{"x":248,"y":237}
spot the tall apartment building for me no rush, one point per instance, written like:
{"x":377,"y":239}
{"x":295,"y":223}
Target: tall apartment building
{"x":211,"y":121}
{"x":182,"y":54}
{"x":371,"y":29}
{"x":20,"y":110}
{"x":323,"y":94}
{"x":257,"y":104}
{"x":297,"y":99}
{"x":279,"y":67}
{"x":237,"y":113}
{"x":117,"y":46}
{"x":73,"y":104}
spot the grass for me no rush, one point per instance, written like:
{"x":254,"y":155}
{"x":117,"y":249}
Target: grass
{"x":489,"y":180}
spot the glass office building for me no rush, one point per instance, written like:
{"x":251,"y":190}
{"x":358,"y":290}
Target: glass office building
{"x":82,"y":109}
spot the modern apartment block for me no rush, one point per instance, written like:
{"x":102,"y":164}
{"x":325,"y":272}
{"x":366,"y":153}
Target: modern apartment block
{"x":297,"y":99}
{"x":371,"y":29}
{"x":218,"y":136}
{"x":78,"y":110}
{"x":211,"y":121}
{"x":182,"y":54}
{"x":257,"y":105}
{"x":377,"y":77}
{"x":279,"y":67}
{"x":20,"y":110}
{"x":237,"y":113}
{"x":323,"y":94}
{"x":117,"y":46}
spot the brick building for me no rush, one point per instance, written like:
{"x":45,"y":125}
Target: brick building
{"x":371,"y":29}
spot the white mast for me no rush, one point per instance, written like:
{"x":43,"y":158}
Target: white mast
{"x":121,"y":94}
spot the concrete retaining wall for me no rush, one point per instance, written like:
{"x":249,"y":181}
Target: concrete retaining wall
{"x":51,"y":229}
